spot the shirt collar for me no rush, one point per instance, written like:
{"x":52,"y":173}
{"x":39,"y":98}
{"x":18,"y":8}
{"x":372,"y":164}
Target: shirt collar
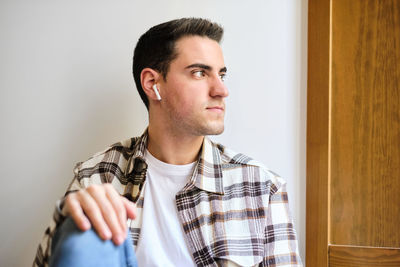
{"x":136,"y":163}
{"x":207,"y":174}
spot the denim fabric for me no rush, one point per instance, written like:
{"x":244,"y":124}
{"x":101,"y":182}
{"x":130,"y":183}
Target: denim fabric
{"x":72,"y":247}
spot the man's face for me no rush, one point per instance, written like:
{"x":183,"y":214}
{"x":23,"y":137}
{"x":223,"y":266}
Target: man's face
{"x":194,"y":92}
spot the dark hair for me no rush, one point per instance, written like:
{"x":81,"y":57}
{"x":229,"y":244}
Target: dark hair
{"x":156,"y":47}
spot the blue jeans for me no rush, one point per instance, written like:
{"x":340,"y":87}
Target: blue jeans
{"x":72,"y":247}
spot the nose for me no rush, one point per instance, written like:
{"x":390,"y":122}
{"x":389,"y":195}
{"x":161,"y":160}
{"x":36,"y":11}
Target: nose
{"x":218,"y":88}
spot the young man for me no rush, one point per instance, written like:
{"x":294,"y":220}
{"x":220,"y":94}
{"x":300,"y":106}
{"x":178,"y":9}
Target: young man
{"x":197,"y":202}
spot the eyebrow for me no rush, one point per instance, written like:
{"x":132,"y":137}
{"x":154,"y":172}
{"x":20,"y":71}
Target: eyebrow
{"x":206,"y":67}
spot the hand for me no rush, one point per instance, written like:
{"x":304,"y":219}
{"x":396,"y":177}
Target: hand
{"x":102,"y":207}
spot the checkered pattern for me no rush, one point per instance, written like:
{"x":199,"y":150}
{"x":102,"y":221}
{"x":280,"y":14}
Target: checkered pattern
{"x":234,"y":211}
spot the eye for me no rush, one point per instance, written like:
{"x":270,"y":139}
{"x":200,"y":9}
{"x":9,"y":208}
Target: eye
{"x":198,"y":73}
{"x":222,"y":76}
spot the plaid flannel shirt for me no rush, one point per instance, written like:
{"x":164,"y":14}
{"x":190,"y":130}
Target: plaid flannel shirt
{"x":234,"y":211}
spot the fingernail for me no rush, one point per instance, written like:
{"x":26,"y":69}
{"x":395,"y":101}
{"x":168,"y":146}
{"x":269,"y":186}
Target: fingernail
{"x":86,"y":224}
{"x":120,"y":239}
{"x":106,"y":234}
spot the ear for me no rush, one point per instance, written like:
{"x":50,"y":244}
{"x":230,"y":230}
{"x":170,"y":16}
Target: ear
{"x":148,"y":78}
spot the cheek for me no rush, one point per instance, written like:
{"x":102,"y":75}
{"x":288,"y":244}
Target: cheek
{"x":187,"y":103}
{"x":180,"y":101}
{"x":187,"y":97}
{"x":193,"y":101}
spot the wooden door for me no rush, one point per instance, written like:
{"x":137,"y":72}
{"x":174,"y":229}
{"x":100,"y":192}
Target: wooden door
{"x":353,"y":133}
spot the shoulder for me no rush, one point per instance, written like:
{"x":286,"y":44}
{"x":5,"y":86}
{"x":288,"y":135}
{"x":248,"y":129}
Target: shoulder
{"x":111,"y":159}
{"x":250,"y":169}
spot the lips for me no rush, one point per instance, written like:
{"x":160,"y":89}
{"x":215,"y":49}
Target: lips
{"x":216,"y":108}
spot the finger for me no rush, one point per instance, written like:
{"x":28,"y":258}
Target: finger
{"x":108,"y":214}
{"x":95,"y":215}
{"x":73,"y":209}
{"x":118,"y":205}
{"x":130,"y":208}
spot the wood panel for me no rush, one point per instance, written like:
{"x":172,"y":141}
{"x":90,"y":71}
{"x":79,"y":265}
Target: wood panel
{"x":317,"y":134}
{"x":345,"y":256}
{"x":365,"y":176}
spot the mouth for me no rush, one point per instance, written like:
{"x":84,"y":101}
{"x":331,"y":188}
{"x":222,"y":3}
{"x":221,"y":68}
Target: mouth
{"x":218,"y":109}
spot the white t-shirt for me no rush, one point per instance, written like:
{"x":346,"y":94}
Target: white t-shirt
{"x":162,"y":241}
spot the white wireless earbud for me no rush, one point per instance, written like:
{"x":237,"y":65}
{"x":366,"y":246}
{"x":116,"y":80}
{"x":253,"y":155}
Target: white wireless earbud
{"x":156,"y":92}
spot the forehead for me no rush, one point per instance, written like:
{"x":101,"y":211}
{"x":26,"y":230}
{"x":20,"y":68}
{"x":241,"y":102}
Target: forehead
{"x":197,"y":49}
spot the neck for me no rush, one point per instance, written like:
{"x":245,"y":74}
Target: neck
{"x":173,"y":148}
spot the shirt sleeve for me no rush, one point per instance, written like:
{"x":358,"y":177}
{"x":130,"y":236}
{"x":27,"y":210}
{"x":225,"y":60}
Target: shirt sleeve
{"x":281,"y":247}
{"x":44,"y":249}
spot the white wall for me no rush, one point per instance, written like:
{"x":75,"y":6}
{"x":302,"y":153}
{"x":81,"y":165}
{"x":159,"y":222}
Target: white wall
{"x":67,"y":92}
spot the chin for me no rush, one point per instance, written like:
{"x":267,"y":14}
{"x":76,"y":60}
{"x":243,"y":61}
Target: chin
{"x":213,"y":130}
{"x":219,"y":131}
{"x":202,"y":128}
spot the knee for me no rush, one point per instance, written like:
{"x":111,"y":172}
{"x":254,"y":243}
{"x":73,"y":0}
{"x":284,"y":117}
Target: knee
{"x":74,"y":246}
{"x":76,"y":241}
